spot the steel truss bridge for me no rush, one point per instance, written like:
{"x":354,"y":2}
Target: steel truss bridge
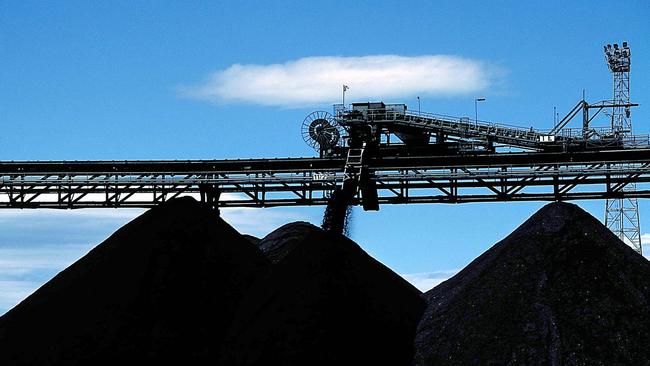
{"x":521,"y":176}
{"x":376,"y":153}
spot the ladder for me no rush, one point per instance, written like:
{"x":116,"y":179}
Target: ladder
{"x":354,"y":164}
{"x":356,"y":178}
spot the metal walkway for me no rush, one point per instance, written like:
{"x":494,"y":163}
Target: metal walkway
{"x":532,"y":139}
{"x":464,"y":127}
{"x":309,"y":181}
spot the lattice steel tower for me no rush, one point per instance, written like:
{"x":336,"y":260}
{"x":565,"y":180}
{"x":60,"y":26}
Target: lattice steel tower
{"x":622,"y":214}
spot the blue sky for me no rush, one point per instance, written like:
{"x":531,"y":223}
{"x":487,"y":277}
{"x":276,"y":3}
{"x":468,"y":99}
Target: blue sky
{"x":121,"y":80}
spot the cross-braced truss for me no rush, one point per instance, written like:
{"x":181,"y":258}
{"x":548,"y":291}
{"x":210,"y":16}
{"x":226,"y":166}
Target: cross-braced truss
{"x":309,"y":181}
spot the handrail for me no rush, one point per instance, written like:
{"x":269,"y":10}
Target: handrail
{"x":503,"y":133}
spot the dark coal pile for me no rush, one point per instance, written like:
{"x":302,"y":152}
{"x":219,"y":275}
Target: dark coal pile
{"x":282,"y":241}
{"x":559,"y":290}
{"x":180,"y":286}
{"x":326,"y":302}
{"x":251,"y":238}
{"x":161,"y":290}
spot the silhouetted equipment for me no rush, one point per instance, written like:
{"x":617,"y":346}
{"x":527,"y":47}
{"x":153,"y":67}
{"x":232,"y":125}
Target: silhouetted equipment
{"x":445,"y":178}
{"x":210,"y":193}
{"x":321,"y":131}
{"x":379,"y":153}
{"x":622,"y":214}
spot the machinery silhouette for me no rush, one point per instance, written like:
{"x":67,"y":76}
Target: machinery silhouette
{"x":380,"y":153}
{"x":321,"y":131}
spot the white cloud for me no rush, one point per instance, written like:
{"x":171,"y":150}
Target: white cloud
{"x":425,"y":281}
{"x":54,"y":214}
{"x":23,"y":270}
{"x":21,"y":261}
{"x":318,"y":80}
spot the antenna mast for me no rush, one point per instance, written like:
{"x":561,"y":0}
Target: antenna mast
{"x":622,"y":214}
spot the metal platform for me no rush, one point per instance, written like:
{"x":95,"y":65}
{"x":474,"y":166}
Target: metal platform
{"x":396,"y":117}
{"x":309,"y":181}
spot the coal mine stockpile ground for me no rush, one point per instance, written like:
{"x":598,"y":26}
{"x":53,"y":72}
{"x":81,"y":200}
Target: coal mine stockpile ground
{"x":562,"y":289}
{"x":180,"y":286}
{"x":326,"y":302}
{"x":161,"y":290}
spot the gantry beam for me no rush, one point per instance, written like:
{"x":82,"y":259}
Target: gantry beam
{"x":309,"y":181}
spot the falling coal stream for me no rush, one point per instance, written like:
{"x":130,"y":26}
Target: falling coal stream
{"x":339,"y":210}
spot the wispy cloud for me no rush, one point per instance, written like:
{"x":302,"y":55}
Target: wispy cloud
{"x":36,"y":244}
{"x":425,"y":281}
{"x":318,"y":80}
{"x":23,"y":270}
{"x":86,"y":213}
{"x":20,"y":262}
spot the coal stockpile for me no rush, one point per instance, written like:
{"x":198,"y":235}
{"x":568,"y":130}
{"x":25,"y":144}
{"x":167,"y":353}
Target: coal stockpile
{"x":282,"y":241}
{"x":560,"y":290}
{"x":326,"y":302}
{"x":180,"y":286}
{"x":161,"y":290}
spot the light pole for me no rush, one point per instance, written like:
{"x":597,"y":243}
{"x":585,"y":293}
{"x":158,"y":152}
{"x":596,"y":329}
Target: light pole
{"x":419,"y":110}
{"x":476,"y":109}
{"x":345,"y":87}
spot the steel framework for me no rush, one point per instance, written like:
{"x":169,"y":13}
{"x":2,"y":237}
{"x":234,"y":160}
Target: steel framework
{"x":382,"y":154}
{"x":309,"y":181}
{"x":622,"y":214}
